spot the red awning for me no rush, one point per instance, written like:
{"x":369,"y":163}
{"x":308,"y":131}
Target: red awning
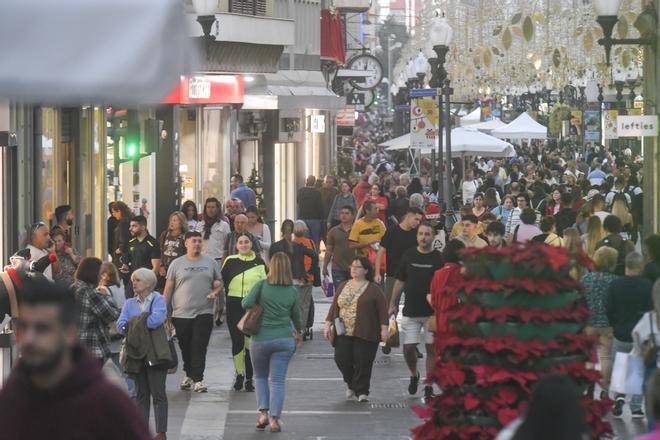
{"x":332,"y":38}
{"x":207,"y":89}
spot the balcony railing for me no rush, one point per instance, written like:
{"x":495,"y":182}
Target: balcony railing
{"x":248,"y":7}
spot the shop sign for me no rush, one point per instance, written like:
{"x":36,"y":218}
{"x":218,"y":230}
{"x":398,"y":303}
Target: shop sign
{"x":345,"y":117}
{"x":423,"y":122}
{"x":609,"y":124}
{"x":318,"y":124}
{"x":207,"y":89}
{"x":199,"y":88}
{"x":592,"y":126}
{"x":637,"y":126}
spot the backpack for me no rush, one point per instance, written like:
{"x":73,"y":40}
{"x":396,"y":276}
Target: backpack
{"x":620,"y":195}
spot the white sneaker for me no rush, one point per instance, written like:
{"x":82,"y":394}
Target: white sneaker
{"x":199,"y":387}
{"x":363,"y":398}
{"x":186,"y":383}
{"x":350,"y":394}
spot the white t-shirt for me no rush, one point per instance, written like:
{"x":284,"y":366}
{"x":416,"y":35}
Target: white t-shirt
{"x":37,"y":254}
{"x":469,"y":189}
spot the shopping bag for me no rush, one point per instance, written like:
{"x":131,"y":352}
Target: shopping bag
{"x":328,"y":288}
{"x":627,"y":374}
{"x":393,"y":338}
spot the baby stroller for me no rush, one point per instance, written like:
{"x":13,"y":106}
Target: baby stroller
{"x":308,"y":332}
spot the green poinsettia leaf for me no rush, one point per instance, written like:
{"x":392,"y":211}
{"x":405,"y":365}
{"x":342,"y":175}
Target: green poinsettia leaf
{"x":528,"y":29}
{"x":516,"y":18}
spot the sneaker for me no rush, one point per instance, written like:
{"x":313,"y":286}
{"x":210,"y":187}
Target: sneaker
{"x":637,"y":414}
{"x":199,"y":387}
{"x":386,"y":349}
{"x":186,"y":383}
{"x":617,"y":409}
{"x":238,"y":384}
{"x":428,"y":392}
{"x":249,"y":387}
{"x":350,"y":394}
{"x":414,"y":383}
{"x":363,"y":398}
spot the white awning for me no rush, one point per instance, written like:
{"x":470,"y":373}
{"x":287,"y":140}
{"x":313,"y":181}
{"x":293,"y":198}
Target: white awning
{"x":88,"y":52}
{"x":474,"y":117}
{"x":523,"y":127}
{"x":487,"y":126}
{"x":289,"y":90}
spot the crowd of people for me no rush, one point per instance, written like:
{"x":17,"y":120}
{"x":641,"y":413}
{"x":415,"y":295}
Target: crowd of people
{"x":387,"y":238}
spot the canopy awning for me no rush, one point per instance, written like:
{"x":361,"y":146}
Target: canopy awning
{"x":332,"y":38}
{"x":289,"y":90}
{"x":488,"y":126}
{"x":523,"y":127}
{"x":474,"y":117}
{"x":88,"y":52}
{"x":463,"y":141}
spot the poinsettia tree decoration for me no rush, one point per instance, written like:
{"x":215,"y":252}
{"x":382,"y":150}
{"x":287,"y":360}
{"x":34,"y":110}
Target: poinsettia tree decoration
{"x":518,"y":318}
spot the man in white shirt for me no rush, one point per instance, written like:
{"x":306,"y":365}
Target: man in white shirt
{"x":41,"y":245}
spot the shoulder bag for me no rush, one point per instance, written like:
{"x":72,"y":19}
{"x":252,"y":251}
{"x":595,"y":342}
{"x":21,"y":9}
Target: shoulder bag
{"x":250,"y":323}
{"x":650,"y":348}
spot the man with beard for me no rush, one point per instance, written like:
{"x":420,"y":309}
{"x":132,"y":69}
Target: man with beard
{"x":64,"y":221}
{"x":57,"y":381}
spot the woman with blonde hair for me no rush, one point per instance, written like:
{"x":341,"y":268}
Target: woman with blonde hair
{"x":582,"y":219}
{"x":620,"y":209}
{"x":573,"y":243}
{"x":596,"y":286}
{"x":276,"y":342}
{"x":594,"y":234}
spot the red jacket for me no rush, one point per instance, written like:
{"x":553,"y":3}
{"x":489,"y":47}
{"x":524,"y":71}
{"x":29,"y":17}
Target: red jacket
{"x":442,"y":296}
{"x":85,"y":405}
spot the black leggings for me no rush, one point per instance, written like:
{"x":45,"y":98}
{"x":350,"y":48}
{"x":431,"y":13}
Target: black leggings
{"x":239,"y":342}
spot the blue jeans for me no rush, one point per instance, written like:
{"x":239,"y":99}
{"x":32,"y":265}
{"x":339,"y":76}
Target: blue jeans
{"x":625,"y":347}
{"x":130,"y":383}
{"x":314,"y":232}
{"x":271,"y":358}
{"x":339,"y":276}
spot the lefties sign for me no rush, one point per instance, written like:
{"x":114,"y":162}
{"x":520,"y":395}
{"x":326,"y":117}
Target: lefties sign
{"x":637,"y":126}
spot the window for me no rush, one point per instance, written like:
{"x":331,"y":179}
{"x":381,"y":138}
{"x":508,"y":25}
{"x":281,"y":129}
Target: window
{"x":248,"y":7}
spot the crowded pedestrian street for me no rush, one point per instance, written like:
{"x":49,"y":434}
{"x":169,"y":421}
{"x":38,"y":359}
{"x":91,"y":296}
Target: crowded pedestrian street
{"x":329,"y":220}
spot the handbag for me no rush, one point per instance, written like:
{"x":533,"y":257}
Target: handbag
{"x":650,"y":348}
{"x":328,"y":288}
{"x":393,"y":336}
{"x":250,"y":323}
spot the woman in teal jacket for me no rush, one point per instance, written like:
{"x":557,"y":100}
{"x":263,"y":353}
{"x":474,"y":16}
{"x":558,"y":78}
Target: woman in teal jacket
{"x":278,"y":337}
{"x":240,"y":272}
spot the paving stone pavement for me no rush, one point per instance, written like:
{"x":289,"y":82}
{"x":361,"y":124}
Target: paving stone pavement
{"x":315,"y":407}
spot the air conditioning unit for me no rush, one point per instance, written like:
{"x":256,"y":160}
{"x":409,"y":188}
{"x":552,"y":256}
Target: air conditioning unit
{"x":352,"y":5}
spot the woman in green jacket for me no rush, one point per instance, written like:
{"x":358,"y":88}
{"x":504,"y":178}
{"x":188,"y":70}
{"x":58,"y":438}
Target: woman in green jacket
{"x":278,"y":337}
{"x":240,"y":272}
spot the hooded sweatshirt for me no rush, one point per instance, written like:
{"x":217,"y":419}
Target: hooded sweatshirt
{"x":83,"y":406}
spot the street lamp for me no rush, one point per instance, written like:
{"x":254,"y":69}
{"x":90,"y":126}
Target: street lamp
{"x":411,"y":74}
{"x":440,"y":37}
{"x":607,"y":16}
{"x":206,"y":10}
{"x":421,"y":64}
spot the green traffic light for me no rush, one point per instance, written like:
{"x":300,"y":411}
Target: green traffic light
{"x":131,"y":150}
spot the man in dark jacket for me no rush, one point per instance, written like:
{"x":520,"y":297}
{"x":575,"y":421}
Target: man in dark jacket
{"x":310,"y":209}
{"x":628,"y":298}
{"x":612,"y":226}
{"x":565,"y":217}
{"x":57,"y":390}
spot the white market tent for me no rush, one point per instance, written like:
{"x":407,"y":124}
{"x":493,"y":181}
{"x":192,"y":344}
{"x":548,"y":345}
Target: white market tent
{"x":488,"y":126}
{"x":474,"y":117}
{"x":466,"y":142}
{"x":523,"y":127}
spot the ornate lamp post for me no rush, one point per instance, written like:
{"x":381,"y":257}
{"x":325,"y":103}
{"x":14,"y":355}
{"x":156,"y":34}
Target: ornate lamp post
{"x":421,"y":64}
{"x":440,"y":37}
{"x":206,"y":10}
{"x":607,"y":12}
